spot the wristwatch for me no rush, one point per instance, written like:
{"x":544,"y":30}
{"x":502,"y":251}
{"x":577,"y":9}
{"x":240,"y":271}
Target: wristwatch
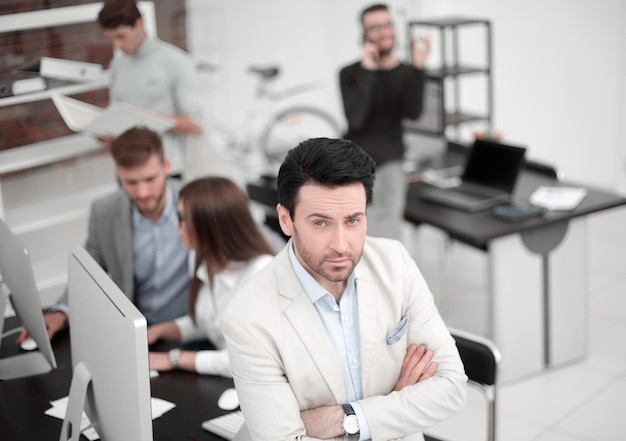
{"x":174,"y":356}
{"x":350,"y":422}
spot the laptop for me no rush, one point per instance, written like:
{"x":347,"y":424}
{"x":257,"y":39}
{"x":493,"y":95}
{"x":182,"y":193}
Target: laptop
{"x":488,"y":178}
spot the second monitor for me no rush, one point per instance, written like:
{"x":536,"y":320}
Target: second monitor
{"x":109,"y":340}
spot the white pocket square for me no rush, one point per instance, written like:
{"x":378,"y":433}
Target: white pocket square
{"x":397,"y":332}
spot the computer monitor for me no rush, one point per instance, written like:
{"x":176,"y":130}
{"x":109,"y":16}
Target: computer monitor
{"x":18,"y":286}
{"x":109,"y":344}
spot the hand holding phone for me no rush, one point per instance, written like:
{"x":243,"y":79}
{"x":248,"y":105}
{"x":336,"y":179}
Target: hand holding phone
{"x":371,"y":54}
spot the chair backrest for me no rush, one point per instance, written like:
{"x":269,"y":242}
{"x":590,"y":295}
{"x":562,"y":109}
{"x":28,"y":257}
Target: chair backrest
{"x":543,"y":168}
{"x":480,"y":358}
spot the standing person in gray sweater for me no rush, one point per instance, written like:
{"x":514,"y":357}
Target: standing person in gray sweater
{"x":150,"y":73}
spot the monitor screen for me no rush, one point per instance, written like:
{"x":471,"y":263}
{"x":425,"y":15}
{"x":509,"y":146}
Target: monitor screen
{"x":17,"y":285}
{"x":109,"y":341}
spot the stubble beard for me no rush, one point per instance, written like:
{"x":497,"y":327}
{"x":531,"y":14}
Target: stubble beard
{"x":320,"y":267}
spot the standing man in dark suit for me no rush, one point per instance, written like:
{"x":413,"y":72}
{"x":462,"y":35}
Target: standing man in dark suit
{"x":133,"y":233}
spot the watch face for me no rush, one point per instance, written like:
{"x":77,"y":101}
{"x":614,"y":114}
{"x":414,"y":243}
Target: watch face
{"x":350,"y":424}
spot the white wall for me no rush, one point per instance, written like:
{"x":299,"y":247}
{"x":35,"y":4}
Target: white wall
{"x":559,"y":66}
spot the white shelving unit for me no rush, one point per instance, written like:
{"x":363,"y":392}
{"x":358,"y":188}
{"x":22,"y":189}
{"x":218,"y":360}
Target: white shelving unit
{"x":447,"y":106}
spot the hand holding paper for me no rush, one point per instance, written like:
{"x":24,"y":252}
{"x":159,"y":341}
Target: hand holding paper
{"x":112,"y":121}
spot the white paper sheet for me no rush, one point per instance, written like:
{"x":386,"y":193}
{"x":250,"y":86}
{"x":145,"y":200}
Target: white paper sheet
{"x":59,"y":408}
{"x":114,"y":120}
{"x":558,"y":198}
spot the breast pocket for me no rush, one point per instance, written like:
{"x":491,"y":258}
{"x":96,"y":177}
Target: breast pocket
{"x":399,"y":331}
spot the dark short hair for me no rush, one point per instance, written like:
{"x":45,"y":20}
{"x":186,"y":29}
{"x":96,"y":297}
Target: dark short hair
{"x":373,"y":8}
{"x":327,"y":162}
{"x":117,"y":13}
{"x":135,"y":146}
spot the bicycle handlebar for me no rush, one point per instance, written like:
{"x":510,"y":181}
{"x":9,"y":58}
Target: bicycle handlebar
{"x":266,"y":73}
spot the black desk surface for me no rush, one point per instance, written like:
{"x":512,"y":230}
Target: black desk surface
{"x":24,"y":401}
{"x":477,"y":229}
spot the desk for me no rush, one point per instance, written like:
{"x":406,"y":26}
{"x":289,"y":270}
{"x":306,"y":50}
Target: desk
{"x":536,"y":274}
{"x":24,"y":401}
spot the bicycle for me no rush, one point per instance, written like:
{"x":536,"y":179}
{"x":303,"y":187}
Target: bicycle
{"x":269,"y":130}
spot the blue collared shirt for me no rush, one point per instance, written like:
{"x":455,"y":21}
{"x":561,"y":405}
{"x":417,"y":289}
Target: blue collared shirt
{"x":342,"y":326}
{"x":161,"y":273}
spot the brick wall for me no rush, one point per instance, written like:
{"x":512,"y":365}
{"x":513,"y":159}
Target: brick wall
{"x":24,"y":124}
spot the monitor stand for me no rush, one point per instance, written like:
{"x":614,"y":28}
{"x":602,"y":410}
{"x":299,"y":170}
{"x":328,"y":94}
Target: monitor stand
{"x":71,"y":430}
{"x":21,"y":365}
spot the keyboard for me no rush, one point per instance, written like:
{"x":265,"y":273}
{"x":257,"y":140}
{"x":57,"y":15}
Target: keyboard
{"x":225,"y":426}
{"x":465,"y":198}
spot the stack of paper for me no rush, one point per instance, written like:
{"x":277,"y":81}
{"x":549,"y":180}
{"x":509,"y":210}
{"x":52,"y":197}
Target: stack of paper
{"x":558,"y":198}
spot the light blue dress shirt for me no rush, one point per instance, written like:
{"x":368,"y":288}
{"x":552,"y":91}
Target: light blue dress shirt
{"x":342,"y":326}
{"x":160,"y":265}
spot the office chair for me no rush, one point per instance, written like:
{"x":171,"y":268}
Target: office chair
{"x":480,"y":358}
{"x":542,"y":168}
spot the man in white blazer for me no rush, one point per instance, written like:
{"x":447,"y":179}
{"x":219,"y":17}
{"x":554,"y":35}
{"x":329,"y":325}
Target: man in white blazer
{"x":338,"y":337}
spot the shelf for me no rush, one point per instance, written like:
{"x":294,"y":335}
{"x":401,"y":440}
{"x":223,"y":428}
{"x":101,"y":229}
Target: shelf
{"x":69,"y":89}
{"x":57,"y":211}
{"x":449,"y":22}
{"x":46,"y":152}
{"x":460,"y":118}
{"x":452,"y":119}
{"x":453,"y":71}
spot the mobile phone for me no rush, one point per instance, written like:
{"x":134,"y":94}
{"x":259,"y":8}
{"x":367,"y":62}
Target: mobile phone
{"x":516,"y":212}
{"x":365,"y":40}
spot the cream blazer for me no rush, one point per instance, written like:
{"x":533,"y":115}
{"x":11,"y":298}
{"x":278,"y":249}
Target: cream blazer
{"x":283,"y":362}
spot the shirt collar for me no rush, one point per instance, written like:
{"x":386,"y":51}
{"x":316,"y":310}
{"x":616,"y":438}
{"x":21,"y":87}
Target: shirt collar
{"x":313,"y":289}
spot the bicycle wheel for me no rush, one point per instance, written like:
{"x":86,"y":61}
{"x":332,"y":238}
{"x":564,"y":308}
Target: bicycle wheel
{"x":289,"y":127}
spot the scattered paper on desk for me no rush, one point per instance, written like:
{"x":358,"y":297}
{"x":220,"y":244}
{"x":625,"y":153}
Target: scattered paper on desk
{"x":159,"y":407}
{"x":59,"y":408}
{"x":558,"y":198}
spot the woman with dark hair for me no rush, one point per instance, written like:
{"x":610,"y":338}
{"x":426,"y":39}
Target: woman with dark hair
{"x":215,"y":222}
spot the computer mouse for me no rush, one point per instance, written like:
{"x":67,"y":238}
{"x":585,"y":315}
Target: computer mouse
{"x":29,"y":344}
{"x":228,"y":400}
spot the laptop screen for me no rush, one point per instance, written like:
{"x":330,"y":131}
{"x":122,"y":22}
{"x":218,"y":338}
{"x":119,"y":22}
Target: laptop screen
{"x":494,"y":164}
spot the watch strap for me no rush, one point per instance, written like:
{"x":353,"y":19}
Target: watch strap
{"x":347,"y":409}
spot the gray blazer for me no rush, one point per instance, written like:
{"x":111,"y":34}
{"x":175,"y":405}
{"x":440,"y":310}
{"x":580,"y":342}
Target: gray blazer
{"x":283,"y":361}
{"x":110,"y":237}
